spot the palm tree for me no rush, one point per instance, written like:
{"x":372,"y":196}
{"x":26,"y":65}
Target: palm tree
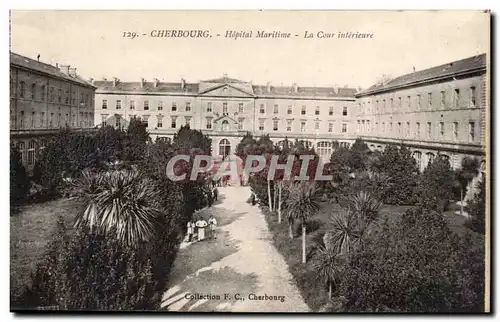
{"x":301,"y":204}
{"x":327,"y":264}
{"x":349,"y":227}
{"x":120,"y":204}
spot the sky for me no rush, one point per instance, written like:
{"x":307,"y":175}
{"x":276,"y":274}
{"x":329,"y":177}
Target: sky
{"x":93,"y":42}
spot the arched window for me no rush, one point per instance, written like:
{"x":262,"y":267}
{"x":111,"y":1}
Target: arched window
{"x":445,"y":157}
{"x":43,"y":144}
{"x":225,"y":126}
{"x":482,"y":166}
{"x":417,"y":155}
{"x":379,"y":147}
{"x":430,"y":157}
{"x":308,"y":144}
{"x":224,"y":147}
{"x":22,"y":88}
{"x":22,"y":149}
{"x":33,"y":91}
{"x":31,"y":152}
{"x":42,"y":92}
{"x":324,"y":149}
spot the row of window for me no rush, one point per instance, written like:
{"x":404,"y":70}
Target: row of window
{"x":174,"y":107}
{"x":404,"y":129}
{"x":224,"y":124}
{"x":400,"y":103}
{"x":41,"y":94}
{"x":303,"y":124}
{"x":52,"y":120}
{"x":303,"y":110}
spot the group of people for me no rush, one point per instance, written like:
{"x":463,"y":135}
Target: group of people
{"x":198,"y":228}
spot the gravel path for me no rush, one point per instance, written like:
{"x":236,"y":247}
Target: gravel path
{"x":240,"y":271}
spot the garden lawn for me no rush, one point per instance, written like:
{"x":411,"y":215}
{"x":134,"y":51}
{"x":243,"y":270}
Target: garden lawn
{"x":30,"y":231}
{"x":312,"y":289}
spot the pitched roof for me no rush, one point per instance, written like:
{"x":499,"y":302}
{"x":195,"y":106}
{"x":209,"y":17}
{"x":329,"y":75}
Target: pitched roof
{"x":224,"y":80}
{"x":205,"y":86}
{"x":31,"y":64}
{"x":304,"y":91}
{"x":471,"y":64}
{"x":149,"y":87}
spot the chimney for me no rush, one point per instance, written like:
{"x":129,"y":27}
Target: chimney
{"x":346,"y":86}
{"x":336,"y":88}
{"x":413,"y":68}
{"x":359,"y":89}
{"x":91,"y":80}
{"x":57,"y":65}
{"x":64,"y":69}
{"x":143,"y":82}
{"x":72,"y":72}
{"x":268,"y":87}
{"x":183,"y":83}
{"x":115,"y":81}
{"x":38,"y":57}
{"x":295,"y":87}
{"x":157,"y":82}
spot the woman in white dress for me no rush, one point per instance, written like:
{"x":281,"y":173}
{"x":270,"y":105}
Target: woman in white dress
{"x":201,"y":224}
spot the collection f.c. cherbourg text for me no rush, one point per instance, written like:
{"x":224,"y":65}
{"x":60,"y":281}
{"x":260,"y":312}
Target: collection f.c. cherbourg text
{"x":245,"y":34}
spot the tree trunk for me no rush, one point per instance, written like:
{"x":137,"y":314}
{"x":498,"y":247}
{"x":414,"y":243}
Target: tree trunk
{"x":303,"y":243}
{"x":329,"y":290}
{"x":290,"y":229}
{"x":269,"y":195}
{"x":279,"y":201}
{"x":461,"y":201}
{"x":275,"y":195}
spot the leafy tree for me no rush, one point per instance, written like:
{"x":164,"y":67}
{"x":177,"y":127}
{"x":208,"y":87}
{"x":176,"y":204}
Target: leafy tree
{"x":137,"y":137}
{"x":358,"y":156}
{"x":187,"y":140}
{"x":436,"y":184}
{"x":469,"y":170}
{"x":416,"y":265}
{"x":19,"y":183}
{"x":110,"y":144}
{"x":401,"y":167}
{"x":339,"y":168}
{"x":477,"y":209}
{"x":301,"y":204}
{"x":246,"y":144}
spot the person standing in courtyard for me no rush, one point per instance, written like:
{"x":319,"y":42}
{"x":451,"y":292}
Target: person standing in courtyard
{"x":201,"y":224}
{"x":216,"y":193}
{"x":213,"y":224}
{"x":190,"y":230}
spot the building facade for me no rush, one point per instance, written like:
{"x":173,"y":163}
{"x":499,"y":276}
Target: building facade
{"x":441,"y":110}
{"x":226,"y":108}
{"x":44,"y":99}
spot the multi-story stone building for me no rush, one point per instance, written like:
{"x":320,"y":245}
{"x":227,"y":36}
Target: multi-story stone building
{"x":43,"y":99}
{"x":227,"y":108}
{"x":442,"y":109}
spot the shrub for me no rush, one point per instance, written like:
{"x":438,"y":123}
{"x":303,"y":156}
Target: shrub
{"x":415,"y":266}
{"x":19,"y":184}
{"x":90,"y":272}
